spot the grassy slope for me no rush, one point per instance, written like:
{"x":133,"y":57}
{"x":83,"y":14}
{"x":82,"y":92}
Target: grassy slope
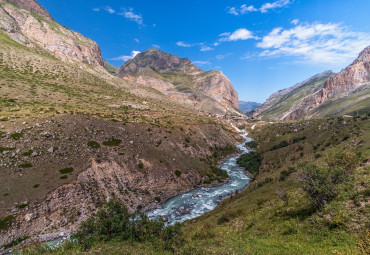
{"x":286,"y":102}
{"x":258,"y":221}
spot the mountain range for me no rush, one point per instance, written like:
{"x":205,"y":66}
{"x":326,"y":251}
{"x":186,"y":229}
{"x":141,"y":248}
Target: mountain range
{"x":323,"y":95}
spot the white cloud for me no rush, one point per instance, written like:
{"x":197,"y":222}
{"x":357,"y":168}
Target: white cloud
{"x":136,"y":40}
{"x":201,"y":63}
{"x":96,"y":9}
{"x":277,"y":4}
{"x":125,"y":58}
{"x":263,"y":9}
{"x":129,"y":14}
{"x":206,"y":48}
{"x":156,"y":46}
{"x":109,"y":9}
{"x":239,"y":34}
{"x":295,"y":21}
{"x":316,"y":43}
{"x":184,"y":44}
{"x":221,"y":57}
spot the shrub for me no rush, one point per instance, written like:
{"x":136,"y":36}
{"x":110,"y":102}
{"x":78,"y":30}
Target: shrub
{"x":112,"y":142}
{"x":280,"y":145}
{"x":66,"y":170}
{"x":321,"y":183}
{"x":27,"y":153}
{"x":285,"y":173}
{"x":63,"y":177}
{"x":252,"y":144}
{"x":178,"y":173}
{"x":93,"y":145}
{"x":5,"y":222}
{"x":250,"y":161}
{"x":346,"y":159}
{"x":22,"y":206}
{"x":114,"y":222}
{"x":36,"y":186}
{"x":25,"y":165}
{"x":140,"y":165}
{"x":16,"y":136}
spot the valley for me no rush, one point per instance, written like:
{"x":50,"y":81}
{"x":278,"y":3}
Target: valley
{"x":161,"y":156}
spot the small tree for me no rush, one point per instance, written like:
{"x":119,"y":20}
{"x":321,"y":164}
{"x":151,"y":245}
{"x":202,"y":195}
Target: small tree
{"x":321,"y":182}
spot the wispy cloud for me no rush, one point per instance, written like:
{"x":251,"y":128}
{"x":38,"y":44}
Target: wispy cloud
{"x":184,"y":44}
{"x":206,"y":48}
{"x":239,"y":34}
{"x":316,"y":43}
{"x":131,"y":15}
{"x":203,"y":46}
{"x":223,"y":56}
{"x":202,"y":63}
{"x":127,"y":13}
{"x":137,"y":40}
{"x":263,"y":9}
{"x":156,"y":46}
{"x":125,"y":58}
{"x":108,"y":9}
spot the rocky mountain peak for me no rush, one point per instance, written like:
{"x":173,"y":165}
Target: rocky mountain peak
{"x":364,"y":56}
{"x":31,"y":5}
{"x":156,"y":60}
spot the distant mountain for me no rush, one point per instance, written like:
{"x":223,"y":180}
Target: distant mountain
{"x":323,"y":95}
{"x":248,"y":106}
{"x":182,"y":81}
{"x":110,"y":68}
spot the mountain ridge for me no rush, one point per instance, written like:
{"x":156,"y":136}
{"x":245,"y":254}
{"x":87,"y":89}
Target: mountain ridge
{"x":180,"y":79}
{"x":323,"y":95}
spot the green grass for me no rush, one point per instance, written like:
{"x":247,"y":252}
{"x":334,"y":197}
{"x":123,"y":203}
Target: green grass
{"x":22,"y":206}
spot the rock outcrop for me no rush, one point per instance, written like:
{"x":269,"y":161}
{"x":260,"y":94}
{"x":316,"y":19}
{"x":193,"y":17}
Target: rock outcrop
{"x":31,"y":5}
{"x":28,"y":23}
{"x":181,"y":81}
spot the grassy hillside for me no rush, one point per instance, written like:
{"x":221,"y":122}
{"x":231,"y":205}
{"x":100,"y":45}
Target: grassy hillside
{"x":274,"y":215}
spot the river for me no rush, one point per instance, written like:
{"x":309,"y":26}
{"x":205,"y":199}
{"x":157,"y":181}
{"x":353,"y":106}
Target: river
{"x":201,"y":200}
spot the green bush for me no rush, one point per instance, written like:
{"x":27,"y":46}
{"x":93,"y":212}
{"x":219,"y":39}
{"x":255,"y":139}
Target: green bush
{"x":27,"y":153}
{"x":5,"y":222}
{"x":252,"y":144}
{"x":93,"y":145}
{"x":321,"y":183}
{"x":66,"y":170}
{"x":25,"y":165}
{"x":114,"y":222}
{"x":16,"y":136}
{"x":178,"y":173}
{"x":112,"y":142}
{"x":250,"y":161}
{"x":280,"y":145}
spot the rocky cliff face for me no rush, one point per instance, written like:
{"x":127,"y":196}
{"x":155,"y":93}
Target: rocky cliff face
{"x":355,"y":74}
{"x":181,"y":81}
{"x":323,"y":95}
{"x":28,"y":23}
{"x":279,"y":97}
{"x":30,"y":5}
{"x":339,"y":86}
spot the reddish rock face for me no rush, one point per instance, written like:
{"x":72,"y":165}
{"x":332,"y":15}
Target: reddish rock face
{"x":31,"y":5}
{"x":357,"y":73}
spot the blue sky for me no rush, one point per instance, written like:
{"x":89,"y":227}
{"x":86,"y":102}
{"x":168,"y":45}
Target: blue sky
{"x":261,"y":45}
